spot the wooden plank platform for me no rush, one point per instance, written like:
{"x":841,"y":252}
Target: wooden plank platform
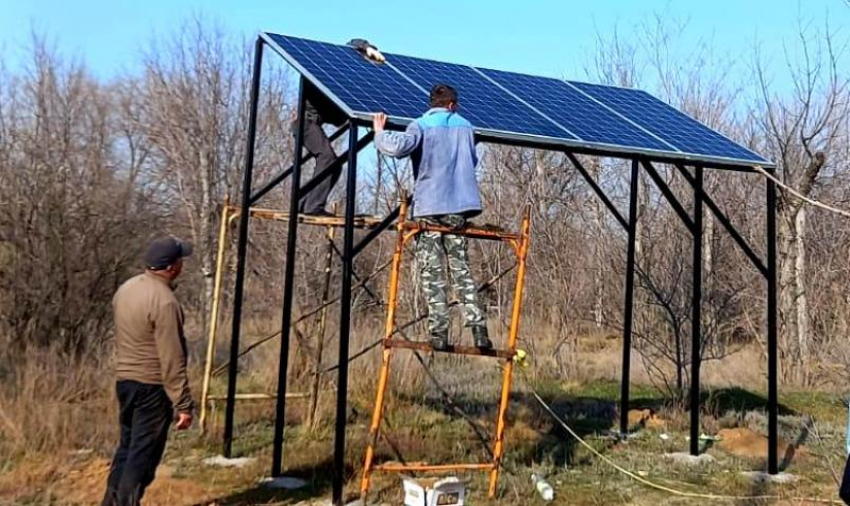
{"x":456,"y":349}
{"x":489,"y":232}
{"x":322,"y":221}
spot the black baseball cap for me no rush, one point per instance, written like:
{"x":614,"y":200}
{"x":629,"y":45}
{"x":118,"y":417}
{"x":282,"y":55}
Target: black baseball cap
{"x":165,"y":251}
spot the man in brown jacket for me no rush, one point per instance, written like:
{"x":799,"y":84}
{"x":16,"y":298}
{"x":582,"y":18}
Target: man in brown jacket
{"x":151,"y":371}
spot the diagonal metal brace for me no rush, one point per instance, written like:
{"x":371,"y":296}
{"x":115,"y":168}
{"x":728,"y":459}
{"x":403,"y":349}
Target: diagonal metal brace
{"x":378,"y":230}
{"x":598,"y":190}
{"x":727,"y":224}
{"x":668,"y":194}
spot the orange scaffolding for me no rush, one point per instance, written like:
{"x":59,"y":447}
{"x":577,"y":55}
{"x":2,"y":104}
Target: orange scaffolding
{"x":407,"y":229}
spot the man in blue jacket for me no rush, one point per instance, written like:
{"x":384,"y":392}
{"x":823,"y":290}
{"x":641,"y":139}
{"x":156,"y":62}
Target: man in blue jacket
{"x":442,"y":147}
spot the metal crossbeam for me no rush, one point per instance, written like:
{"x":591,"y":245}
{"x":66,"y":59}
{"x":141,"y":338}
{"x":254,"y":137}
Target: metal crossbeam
{"x":340,"y":160}
{"x":381,"y":227}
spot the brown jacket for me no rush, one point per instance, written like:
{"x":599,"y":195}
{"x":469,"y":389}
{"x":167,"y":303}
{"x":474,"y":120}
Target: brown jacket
{"x":150,"y":344}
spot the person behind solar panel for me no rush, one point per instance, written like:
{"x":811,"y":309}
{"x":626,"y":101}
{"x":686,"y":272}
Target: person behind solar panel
{"x":318,"y":110}
{"x":442,"y":147}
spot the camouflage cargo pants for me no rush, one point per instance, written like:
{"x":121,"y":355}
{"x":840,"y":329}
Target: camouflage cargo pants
{"x":431,"y":248}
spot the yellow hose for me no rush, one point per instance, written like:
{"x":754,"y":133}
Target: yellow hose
{"x":644,"y":481}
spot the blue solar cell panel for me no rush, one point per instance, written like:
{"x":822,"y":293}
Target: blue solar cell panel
{"x":581,"y":115}
{"x":485,"y":104}
{"x":361,"y":85}
{"x":687,"y":134}
{"x":512,"y":106}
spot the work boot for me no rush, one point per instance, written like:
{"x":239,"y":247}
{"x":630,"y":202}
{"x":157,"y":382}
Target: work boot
{"x":319,"y":213}
{"x":479,"y":337}
{"x":440,"y":340}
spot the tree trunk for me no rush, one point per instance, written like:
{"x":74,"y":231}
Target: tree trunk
{"x":802,"y":306}
{"x":378,"y":180}
{"x":599,"y":263}
{"x":206,"y":241}
{"x":598,"y":271}
{"x":789,"y":324}
{"x":709,"y":312}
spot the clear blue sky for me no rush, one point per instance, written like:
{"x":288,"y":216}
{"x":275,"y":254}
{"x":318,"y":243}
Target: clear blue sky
{"x":548,"y":37}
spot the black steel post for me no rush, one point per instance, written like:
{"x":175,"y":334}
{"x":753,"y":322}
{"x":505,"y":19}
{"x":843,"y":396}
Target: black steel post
{"x":772,"y":357}
{"x":696,"y":311}
{"x":345,"y":319}
{"x":288,"y":291}
{"x":629,"y":306}
{"x":242,"y":250}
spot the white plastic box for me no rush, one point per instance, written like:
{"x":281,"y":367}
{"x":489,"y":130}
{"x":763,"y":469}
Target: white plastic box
{"x":446,"y":492}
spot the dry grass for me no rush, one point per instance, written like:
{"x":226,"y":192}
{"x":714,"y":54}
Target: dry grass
{"x":53,"y":407}
{"x":50,"y":403}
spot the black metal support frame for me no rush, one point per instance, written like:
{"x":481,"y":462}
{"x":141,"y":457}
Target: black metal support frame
{"x":345,"y":319}
{"x":288,"y":289}
{"x":350,"y":250}
{"x":242,"y":250}
{"x":695,"y":225}
{"x":628,"y":311}
{"x":696,"y":308}
{"x":772,"y":333}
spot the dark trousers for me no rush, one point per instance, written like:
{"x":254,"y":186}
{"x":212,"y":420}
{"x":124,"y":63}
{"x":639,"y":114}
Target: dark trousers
{"x":145,"y":416}
{"x":317,"y":143}
{"x":844,"y":491}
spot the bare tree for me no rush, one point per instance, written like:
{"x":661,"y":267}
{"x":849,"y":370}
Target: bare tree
{"x":799,"y":132}
{"x":192,"y":106}
{"x":72,"y":221}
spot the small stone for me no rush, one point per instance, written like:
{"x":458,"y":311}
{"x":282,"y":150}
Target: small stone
{"x":762,"y":477}
{"x":222,"y":461}
{"x":690,"y":460}
{"x":284,"y":482}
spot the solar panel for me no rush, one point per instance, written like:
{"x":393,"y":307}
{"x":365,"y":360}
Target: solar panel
{"x":483,"y":103}
{"x":512,"y":107}
{"x":579,"y":114}
{"x":360,"y":85}
{"x":680,"y":130}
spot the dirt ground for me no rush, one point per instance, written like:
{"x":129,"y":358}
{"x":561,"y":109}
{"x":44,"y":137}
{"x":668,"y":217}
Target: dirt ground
{"x":534,"y":444}
{"x":422,"y":427}
{"x":81,"y":481}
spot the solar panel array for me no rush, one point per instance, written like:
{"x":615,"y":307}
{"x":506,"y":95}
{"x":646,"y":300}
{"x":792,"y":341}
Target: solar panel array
{"x":508,"y":104}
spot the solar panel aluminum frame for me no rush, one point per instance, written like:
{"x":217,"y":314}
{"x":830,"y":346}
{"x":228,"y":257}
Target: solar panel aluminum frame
{"x":364,"y":118}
